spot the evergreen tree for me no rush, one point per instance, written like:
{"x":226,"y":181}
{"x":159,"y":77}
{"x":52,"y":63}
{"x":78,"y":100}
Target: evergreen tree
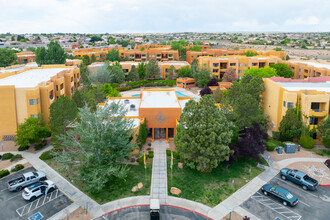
{"x":324,"y":131}
{"x":117,"y":75}
{"x":291,"y":126}
{"x":113,"y":55}
{"x":152,"y":70}
{"x":53,"y":55}
{"x":133,"y":74}
{"x":171,"y":73}
{"x":102,"y":148}
{"x":7,"y":57}
{"x":201,"y":142}
{"x":141,"y":69}
{"x":203,"y":76}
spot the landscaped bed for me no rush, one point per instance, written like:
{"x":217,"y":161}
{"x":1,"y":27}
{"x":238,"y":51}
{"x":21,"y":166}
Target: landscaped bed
{"x":116,"y":188}
{"x":212,"y":188}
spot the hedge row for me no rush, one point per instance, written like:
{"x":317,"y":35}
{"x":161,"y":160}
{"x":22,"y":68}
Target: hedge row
{"x":6,"y":172}
{"x":144,"y":83}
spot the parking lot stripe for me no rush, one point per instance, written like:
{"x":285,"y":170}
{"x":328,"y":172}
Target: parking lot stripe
{"x":12,"y":197}
{"x":30,"y":207}
{"x":3,"y":190}
{"x":292,"y":184}
{"x":304,"y":203}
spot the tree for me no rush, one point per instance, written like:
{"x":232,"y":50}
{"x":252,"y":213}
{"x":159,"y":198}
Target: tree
{"x":171,"y":73}
{"x":110,"y":91}
{"x":265,"y":72}
{"x":111,"y":40}
{"x":291,"y":126}
{"x":141,"y":69}
{"x":324,"y":131}
{"x":142,"y":136}
{"x":205,"y":91}
{"x":62,"y":112}
{"x":282,"y":70}
{"x":194,"y":66}
{"x":184,"y":72}
{"x":152,"y":70}
{"x":195,"y":48}
{"x":113,"y":55}
{"x":203,"y":143}
{"x":218,"y":95}
{"x":33,"y":49}
{"x":96,"y":38}
{"x":133,"y":74}
{"x":117,"y":75}
{"x":213,"y":82}
{"x":78,"y":99}
{"x":93,"y":58}
{"x":86,"y":82}
{"x":32,"y":131}
{"x":250,"y":53}
{"x":7,"y":57}
{"x":53,"y":55}
{"x":203,"y":76}
{"x":230,"y":75}
{"x":251,"y":142}
{"x":142,"y":49}
{"x":103,"y":75}
{"x":93,"y":96}
{"x":245,"y":99}
{"x":103,"y":146}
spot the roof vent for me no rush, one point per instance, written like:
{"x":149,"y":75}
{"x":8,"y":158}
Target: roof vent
{"x":306,"y":92}
{"x":132,"y":107}
{"x":126,"y":101}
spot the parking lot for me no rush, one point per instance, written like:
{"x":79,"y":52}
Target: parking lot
{"x":13,"y":206}
{"x":311,"y":205}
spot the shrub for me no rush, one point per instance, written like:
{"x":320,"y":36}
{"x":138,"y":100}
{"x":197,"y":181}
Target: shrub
{"x":307,"y":142}
{"x":141,"y":161}
{"x":17,"y":167}
{"x":23,"y":148}
{"x":168,"y":153}
{"x":176,"y":155}
{"x":46,"y":155}
{"x":270,"y":146}
{"x":151,"y":155}
{"x":16,"y":157}
{"x":7,"y":156}
{"x":4,"y":173}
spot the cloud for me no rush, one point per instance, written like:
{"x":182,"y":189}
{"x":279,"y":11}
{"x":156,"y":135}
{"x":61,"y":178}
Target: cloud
{"x":114,"y":16}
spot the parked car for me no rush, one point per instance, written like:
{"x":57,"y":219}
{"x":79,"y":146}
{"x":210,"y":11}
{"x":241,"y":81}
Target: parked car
{"x":299,"y":178}
{"x":327,"y":163}
{"x":25,"y":180}
{"x":279,"y":193}
{"x":38,"y":189}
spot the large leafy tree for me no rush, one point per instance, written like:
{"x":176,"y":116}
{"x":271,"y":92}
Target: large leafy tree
{"x":53,"y":55}
{"x":152,"y":70}
{"x":245,"y":100}
{"x":203,"y":76}
{"x":203,"y":143}
{"x":184,"y":72}
{"x":7,"y":57}
{"x":113,"y":55}
{"x":218,"y":95}
{"x":265,"y":72}
{"x":133,"y":75}
{"x":324,"y":131}
{"x":141,"y":69}
{"x":110,"y":91}
{"x":282,"y":70}
{"x":291,"y":125}
{"x":62,"y":112}
{"x":102,"y":75}
{"x":250,"y":53}
{"x":230,"y":75}
{"x":103,"y":145}
{"x":32,"y":131}
{"x":171,"y":73}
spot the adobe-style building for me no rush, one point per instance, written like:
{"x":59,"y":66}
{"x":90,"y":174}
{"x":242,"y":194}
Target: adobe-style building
{"x":127,"y":66}
{"x":158,"y":54}
{"x":99,"y":53}
{"x":240,"y":64}
{"x":185,"y":82}
{"x":303,"y":69}
{"x":26,"y":57}
{"x":313,"y":95}
{"x":161,"y":108}
{"x":28,"y":92}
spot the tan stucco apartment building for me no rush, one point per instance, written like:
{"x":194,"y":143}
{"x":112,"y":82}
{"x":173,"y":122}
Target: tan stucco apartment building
{"x":313,"y":95}
{"x":303,"y":69}
{"x":29,"y":91}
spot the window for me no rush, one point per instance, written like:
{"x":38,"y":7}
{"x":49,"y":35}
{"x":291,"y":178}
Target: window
{"x":313,"y":121}
{"x":32,"y":101}
{"x":291,"y":174}
{"x":245,"y":64}
{"x":56,"y":87}
{"x":170,"y":132}
{"x":232,"y":64}
{"x":61,"y":86}
{"x":239,"y":71}
{"x":299,"y":70}
{"x":299,"y":76}
{"x":37,"y":101}
{"x":284,"y":104}
{"x":298,"y":177}
{"x":33,"y":116}
{"x":290,"y":104}
{"x":71,"y":79}
{"x":239,"y":64}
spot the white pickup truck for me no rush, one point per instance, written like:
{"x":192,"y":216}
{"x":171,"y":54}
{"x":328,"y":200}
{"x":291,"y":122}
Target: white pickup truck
{"x":25,"y":180}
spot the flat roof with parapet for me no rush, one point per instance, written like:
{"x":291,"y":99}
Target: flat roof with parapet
{"x":318,"y":65}
{"x":159,"y":99}
{"x":131,"y":105}
{"x":297,"y":86}
{"x":18,"y":68}
{"x":30,"y":78}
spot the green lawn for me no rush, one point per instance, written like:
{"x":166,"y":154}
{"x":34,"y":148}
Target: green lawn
{"x":116,"y":188}
{"x":212,"y":188}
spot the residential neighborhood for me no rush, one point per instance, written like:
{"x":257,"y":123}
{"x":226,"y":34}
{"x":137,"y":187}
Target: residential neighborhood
{"x":123,"y":119}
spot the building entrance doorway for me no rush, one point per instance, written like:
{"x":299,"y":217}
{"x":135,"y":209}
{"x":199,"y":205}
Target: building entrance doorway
{"x":160,"y":133}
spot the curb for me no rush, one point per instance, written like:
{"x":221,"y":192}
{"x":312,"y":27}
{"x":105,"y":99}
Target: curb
{"x":324,"y":185}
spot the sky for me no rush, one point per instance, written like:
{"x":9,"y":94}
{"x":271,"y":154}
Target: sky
{"x":162,"y":16}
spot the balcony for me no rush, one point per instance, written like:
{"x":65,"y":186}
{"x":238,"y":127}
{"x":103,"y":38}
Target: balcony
{"x":317,"y":112}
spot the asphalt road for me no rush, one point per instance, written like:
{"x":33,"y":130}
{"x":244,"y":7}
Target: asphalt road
{"x":143,"y":212}
{"x":13,"y":206}
{"x":312,"y":204}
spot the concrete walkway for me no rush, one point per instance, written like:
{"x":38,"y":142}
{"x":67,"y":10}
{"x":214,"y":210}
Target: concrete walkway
{"x":159,"y":172}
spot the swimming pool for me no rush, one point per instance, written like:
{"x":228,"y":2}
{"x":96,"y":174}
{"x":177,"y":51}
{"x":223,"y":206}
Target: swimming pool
{"x":179,"y":94}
